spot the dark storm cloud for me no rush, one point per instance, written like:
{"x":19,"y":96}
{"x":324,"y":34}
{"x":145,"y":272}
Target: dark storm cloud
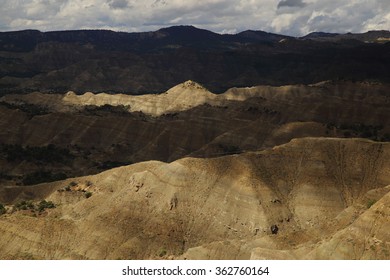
{"x":291,"y":3}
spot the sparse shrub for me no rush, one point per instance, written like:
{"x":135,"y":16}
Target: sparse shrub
{"x":24,"y":205}
{"x":2,"y":209}
{"x":88,"y":194}
{"x":274,"y":229}
{"x":72,"y":184}
{"x":370,"y":203}
{"x":162,"y":252}
{"x":29,"y":205}
{"x":45,"y":204}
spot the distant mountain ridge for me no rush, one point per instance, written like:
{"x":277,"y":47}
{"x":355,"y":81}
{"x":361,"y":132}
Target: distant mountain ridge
{"x":151,"y":62}
{"x":26,"y":40}
{"x":374,"y":36}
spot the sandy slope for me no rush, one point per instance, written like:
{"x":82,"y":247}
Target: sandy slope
{"x":179,"y":98}
{"x":317,"y":190}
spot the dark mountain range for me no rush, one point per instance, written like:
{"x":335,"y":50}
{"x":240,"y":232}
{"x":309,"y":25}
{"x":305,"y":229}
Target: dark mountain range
{"x":319,"y":35}
{"x":151,"y":62}
{"x":106,"y":40}
{"x":380,"y":36}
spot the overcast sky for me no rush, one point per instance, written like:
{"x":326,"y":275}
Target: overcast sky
{"x":290,"y":17}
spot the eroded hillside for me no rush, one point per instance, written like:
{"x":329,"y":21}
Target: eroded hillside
{"x":52,"y":136}
{"x":328,"y":197}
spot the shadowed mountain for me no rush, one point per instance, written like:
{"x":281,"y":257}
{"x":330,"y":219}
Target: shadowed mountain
{"x":151,"y":62}
{"x":45,"y":136}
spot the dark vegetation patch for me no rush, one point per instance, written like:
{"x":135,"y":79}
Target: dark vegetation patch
{"x":4,"y":176}
{"x":30,"y":109}
{"x":122,"y":110}
{"x":45,"y":154}
{"x":119,"y":111}
{"x":112,"y":164}
{"x":262,"y":110}
{"x":33,"y":207}
{"x":42,"y":176}
{"x":74,"y":187}
{"x":229,"y":149}
{"x":2,"y":209}
{"x":373,"y":132}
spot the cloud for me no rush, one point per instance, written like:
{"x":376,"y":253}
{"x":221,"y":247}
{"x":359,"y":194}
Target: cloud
{"x":291,"y":17}
{"x":292,"y":3}
{"x":159,"y":2}
{"x":118,"y":4}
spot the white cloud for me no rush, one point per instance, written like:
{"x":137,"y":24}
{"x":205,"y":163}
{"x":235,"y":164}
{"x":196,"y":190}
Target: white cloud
{"x":381,"y":22}
{"x":293,"y":17}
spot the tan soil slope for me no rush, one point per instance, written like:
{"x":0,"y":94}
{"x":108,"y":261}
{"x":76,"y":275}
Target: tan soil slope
{"x":179,"y":98}
{"x":318,"y":192}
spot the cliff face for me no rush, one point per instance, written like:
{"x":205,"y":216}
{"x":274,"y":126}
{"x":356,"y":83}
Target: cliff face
{"x":152,"y":62}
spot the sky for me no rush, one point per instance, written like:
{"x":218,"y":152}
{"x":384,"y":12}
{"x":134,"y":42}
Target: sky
{"x":289,"y":17}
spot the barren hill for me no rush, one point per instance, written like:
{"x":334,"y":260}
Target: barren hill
{"x":328,"y":197}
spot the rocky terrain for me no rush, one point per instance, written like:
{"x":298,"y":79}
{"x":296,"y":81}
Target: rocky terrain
{"x":265,"y":172}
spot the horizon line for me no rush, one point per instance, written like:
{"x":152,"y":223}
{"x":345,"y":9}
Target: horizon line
{"x":193,"y":26}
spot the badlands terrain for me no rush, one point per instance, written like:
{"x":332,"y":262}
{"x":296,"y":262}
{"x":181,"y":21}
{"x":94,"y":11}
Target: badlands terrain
{"x":263,"y":172}
{"x":182,"y":143}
